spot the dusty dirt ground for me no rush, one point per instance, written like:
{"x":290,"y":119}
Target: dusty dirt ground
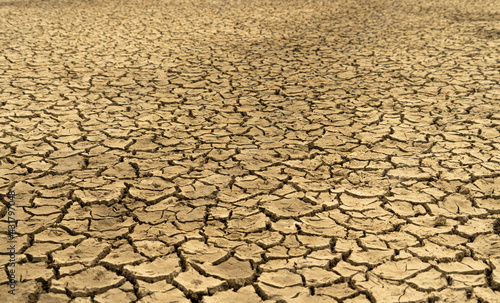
{"x":250,"y":151}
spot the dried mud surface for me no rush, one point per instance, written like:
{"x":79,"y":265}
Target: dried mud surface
{"x":251,"y":151}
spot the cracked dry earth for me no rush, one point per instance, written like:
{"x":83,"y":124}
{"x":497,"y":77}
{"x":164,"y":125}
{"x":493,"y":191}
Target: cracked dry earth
{"x":251,"y":151}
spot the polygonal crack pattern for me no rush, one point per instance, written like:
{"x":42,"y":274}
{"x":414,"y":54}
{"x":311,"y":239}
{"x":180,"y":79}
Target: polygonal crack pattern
{"x":310,"y":151}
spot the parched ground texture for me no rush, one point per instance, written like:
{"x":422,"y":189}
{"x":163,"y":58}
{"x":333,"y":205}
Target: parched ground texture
{"x":251,"y":151}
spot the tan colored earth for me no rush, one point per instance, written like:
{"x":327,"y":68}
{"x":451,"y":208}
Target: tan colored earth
{"x":213,"y":151}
